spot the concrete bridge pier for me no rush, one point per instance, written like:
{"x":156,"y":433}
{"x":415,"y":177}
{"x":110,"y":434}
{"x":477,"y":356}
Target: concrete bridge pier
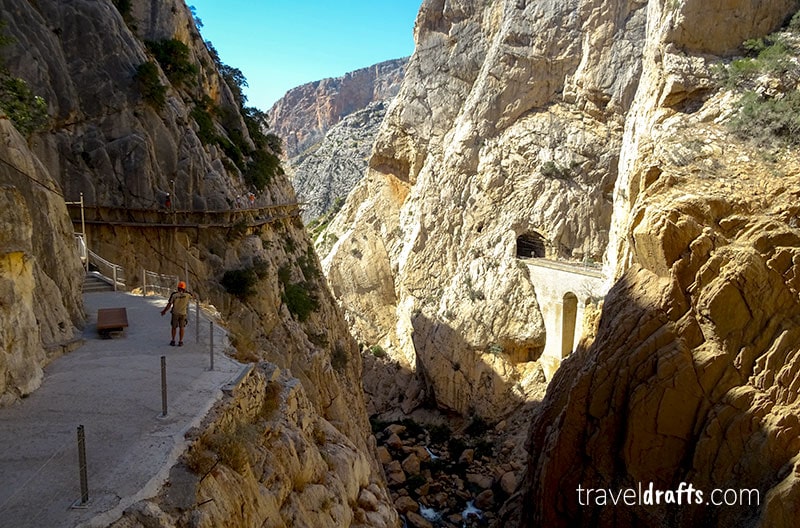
{"x":563,"y":291}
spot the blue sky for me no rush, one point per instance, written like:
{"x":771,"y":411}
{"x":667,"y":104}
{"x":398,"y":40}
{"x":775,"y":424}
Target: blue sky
{"x":280,"y":44}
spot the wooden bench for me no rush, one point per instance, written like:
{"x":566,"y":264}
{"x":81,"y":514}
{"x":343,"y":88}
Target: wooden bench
{"x":111,"y":320}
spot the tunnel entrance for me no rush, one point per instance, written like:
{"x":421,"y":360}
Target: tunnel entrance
{"x":530,"y":245}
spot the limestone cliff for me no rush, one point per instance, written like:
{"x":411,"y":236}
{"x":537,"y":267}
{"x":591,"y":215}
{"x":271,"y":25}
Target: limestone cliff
{"x":138,"y":109}
{"x":325,"y":174}
{"x":305,"y":113}
{"x":40,"y":270}
{"x":693,"y":374}
{"x":593,"y":130}
{"x":508,"y":124}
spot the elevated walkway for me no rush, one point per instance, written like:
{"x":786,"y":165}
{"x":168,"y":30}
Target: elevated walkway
{"x":112,"y":388}
{"x":173,"y":218}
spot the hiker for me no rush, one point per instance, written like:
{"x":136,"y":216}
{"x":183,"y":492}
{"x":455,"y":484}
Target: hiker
{"x":179,"y":301}
{"x":168,"y":202}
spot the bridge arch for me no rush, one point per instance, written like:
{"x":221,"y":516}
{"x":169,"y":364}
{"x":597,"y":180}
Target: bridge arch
{"x":530,"y":245}
{"x":569,"y":320}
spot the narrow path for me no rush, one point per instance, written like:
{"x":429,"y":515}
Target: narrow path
{"x":113,"y":388}
{"x":164,"y":218}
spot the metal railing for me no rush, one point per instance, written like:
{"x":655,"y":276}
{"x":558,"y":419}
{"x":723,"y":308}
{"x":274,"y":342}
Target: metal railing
{"x":114,"y":274}
{"x":158,"y":283}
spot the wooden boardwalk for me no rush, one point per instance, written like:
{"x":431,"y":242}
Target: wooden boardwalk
{"x":161,"y":218}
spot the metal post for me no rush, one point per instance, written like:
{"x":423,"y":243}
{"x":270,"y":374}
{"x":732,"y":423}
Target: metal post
{"x":163,"y":385}
{"x":85,"y":236}
{"x":114,"y":267}
{"x":144,"y":282}
{"x":197,"y":320}
{"x":186,"y":274}
{"x":82,"y":465}
{"x":211,"y":343}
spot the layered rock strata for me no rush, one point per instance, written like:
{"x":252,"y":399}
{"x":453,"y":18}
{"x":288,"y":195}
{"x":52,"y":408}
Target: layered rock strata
{"x":691,"y":380}
{"x":107,"y":140}
{"x":508,"y":124}
{"x":40,"y":269}
{"x":305,"y":113}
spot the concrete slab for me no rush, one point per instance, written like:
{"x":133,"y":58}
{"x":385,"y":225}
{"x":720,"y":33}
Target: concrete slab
{"x":112,"y":388}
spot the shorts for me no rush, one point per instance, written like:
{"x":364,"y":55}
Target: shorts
{"x":178,"y":320}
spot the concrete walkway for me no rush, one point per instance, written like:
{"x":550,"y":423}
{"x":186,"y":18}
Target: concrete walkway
{"x":113,"y":388}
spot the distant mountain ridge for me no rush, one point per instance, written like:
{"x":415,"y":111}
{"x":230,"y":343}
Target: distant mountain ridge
{"x":303,"y":116}
{"x":329,"y":127}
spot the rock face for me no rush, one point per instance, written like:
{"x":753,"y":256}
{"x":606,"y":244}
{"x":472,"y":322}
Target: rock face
{"x":108,"y":140}
{"x":40,"y":270}
{"x":305,"y":478}
{"x":303,"y":116}
{"x":508,"y":124}
{"x":324,"y":175}
{"x":599,"y":126}
{"x":691,"y":380}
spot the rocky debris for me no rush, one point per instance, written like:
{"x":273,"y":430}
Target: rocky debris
{"x":442,"y":479}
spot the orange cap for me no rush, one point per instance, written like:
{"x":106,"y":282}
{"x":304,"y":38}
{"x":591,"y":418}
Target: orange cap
{"x":182,"y":285}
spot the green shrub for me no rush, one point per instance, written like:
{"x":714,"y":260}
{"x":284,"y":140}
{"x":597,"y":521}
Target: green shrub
{"x":240,"y":283}
{"x":261,"y":168}
{"x":764,"y":119}
{"x":299,"y":300}
{"x":207,"y":132}
{"x":27,"y":111}
{"x":173,"y":56}
{"x":124,"y":8}
{"x":377,"y":351}
{"x":550,"y":169}
{"x":149,"y":85}
{"x":339,"y":357}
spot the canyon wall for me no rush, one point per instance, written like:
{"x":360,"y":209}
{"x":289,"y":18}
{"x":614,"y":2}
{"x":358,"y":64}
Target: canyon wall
{"x":329,"y":128}
{"x":305,"y":113}
{"x":692,"y":378}
{"x":508,"y":124}
{"x":40,"y":269}
{"x":127,"y":126}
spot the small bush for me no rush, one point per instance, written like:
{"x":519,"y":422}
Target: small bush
{"x":764,"y":119}
{"x":261,"y":168}
{"x":339,"y":357}
{"x":27,"y":111}
{"x":207,"y":132}
{"x":148,"y":83}
{"x":240,"y":283}
{"x":173,"y":56}
{"x":551,"y":169}
{"x":377,"y":351}
{"x":301,"y":302}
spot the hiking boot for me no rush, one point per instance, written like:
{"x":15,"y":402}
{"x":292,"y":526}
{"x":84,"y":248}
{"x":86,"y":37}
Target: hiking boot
{"x":172,"y":343}
{"x":180,"y":343}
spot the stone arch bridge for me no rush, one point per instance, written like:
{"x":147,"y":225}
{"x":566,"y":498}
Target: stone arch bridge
{"x":563,"y":291}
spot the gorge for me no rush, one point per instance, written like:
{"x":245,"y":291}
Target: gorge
{"x":572,"y":262}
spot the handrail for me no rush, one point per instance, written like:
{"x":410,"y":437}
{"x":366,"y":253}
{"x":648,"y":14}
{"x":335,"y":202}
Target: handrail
{"x":157,"y":282}
{"x":117,"y":272}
